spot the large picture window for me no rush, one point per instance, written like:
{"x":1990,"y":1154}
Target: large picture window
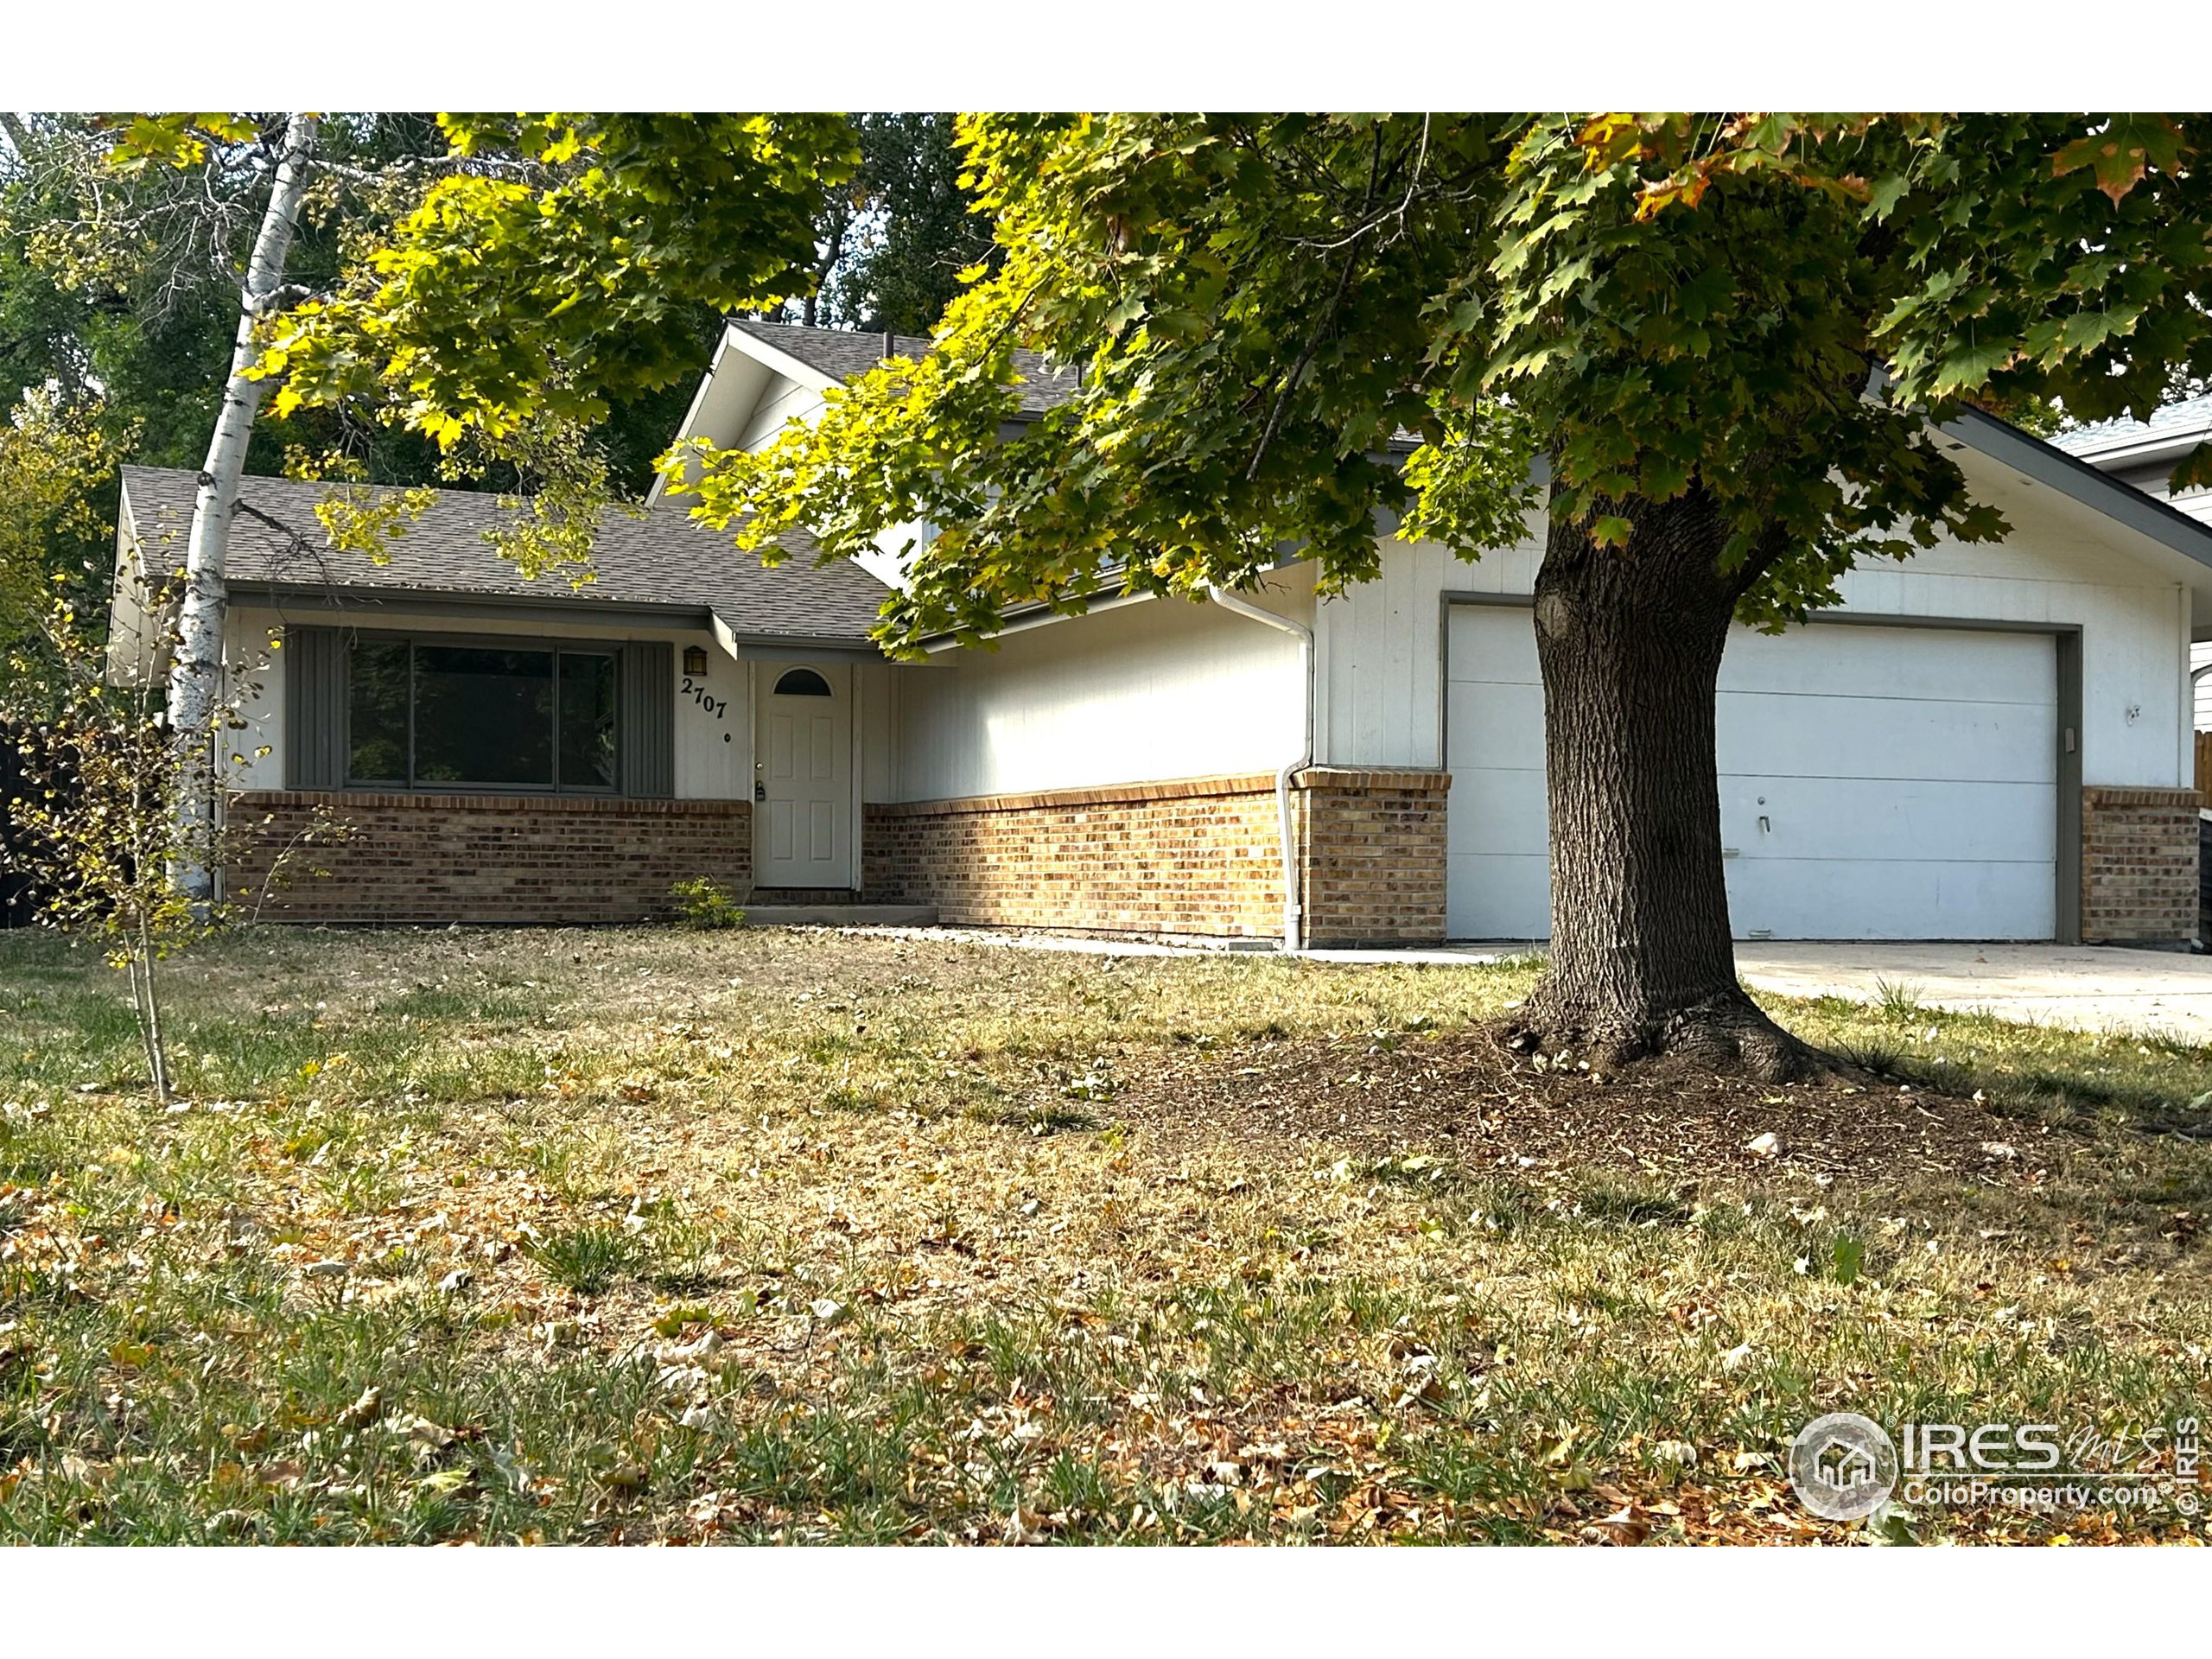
{"x":424,"y":713}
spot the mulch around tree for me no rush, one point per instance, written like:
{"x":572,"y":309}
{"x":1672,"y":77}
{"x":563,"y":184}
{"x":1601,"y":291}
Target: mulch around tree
{"x":1462,"y":1093}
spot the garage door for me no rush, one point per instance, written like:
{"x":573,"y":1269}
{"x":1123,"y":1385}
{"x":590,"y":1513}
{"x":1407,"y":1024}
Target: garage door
{"x":1875,"y":783}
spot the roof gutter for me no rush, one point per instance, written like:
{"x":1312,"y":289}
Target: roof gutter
{"x":468,"y":602}
{"x":1294,"y":914}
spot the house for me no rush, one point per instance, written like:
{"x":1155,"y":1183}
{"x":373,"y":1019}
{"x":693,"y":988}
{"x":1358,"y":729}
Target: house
{"x":1987,"y":742}
{"x":2143,"y":452}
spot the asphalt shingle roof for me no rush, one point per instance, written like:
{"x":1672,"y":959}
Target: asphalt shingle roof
{"x":2192,"y":414}
{"x":843,"y":354}
{"x":661,"y":559}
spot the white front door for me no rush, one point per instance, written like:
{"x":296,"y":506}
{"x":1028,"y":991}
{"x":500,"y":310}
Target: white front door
{"x":803,"y":777}
{"x":1876,"y":782}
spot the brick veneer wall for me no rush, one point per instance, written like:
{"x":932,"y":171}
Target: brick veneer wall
{"x":2139,"y":865}
{"x":488,"y":858}
{"x":1198,"y":856}
{"x":2204,"y":876}
{"x":1372,"y":854}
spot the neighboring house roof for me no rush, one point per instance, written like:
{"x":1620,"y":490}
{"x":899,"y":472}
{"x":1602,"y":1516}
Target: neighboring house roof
{"x":662,"y":560}
{"x":2191,"y":418}
{"x":841,"y":354}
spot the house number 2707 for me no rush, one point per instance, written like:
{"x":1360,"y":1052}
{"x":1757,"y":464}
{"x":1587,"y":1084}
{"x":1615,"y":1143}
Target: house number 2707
{"x":718,"y":706}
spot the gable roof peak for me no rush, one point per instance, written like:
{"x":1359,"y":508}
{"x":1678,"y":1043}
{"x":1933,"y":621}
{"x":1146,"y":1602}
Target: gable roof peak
{"x":844,"y":354}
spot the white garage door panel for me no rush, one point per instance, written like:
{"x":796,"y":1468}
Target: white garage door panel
{"x":1496,"y":725}
{"x":1965,"y":665}
{"x":1501,"y":645}
{"x":1907,"y":778}
{"x":1499,"y":898}
{"x":1786,"y":736}
{"x":1800,"y":898}
{"x":1510,"y":820}
{"x":1858,"y":818}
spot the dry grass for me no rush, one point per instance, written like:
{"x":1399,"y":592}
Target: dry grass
{"x":634,"y":1235}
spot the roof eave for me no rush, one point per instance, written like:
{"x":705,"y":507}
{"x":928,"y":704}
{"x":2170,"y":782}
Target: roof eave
{"x":2077,"y":480}
{"x":338,"y":597}
{"x":793,"y":368}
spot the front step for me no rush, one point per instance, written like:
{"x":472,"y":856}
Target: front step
{"x":841,"y":915}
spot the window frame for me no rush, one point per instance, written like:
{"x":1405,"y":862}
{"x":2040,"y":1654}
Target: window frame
{"x":554,"y":645}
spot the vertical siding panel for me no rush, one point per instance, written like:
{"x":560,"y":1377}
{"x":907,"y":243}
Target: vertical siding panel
{"x":314,"y":708}
{"x":648,"y":721}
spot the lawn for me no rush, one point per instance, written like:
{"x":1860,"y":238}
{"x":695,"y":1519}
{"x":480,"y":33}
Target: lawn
{"x":643,"y":1236}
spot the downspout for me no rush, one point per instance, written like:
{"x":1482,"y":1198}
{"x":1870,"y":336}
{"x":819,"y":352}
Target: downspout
{"x":1294,"y":913}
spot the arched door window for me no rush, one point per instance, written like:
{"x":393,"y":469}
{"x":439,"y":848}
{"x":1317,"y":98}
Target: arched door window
{"x":802,"y":683}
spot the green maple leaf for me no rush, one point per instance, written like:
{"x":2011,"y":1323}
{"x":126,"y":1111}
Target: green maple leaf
{"x":2123,"y":152}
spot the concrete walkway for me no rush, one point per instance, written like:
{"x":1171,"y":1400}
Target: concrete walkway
{"x":2092,"y":988}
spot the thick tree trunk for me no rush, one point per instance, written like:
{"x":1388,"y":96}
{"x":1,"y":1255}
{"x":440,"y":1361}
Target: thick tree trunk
{"x":1630,"y":641}
{"x":196,"y":673}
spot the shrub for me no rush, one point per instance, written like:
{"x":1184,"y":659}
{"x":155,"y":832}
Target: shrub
{"x":704,"y":902}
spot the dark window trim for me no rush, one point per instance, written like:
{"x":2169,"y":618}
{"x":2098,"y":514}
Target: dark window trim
{"x":575,"y":644}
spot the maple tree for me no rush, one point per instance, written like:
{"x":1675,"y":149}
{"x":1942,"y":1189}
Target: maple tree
{"x":1705,"y":353}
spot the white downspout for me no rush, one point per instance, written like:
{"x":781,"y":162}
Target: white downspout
{"x":2189,"y":713}
{"x":1294,"y":913}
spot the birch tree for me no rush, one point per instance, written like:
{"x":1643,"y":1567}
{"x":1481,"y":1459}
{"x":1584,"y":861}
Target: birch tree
{"x":196,"y":668}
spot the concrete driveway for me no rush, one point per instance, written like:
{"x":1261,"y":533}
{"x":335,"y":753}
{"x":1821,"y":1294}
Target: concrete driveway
{"x":2093,"y":988}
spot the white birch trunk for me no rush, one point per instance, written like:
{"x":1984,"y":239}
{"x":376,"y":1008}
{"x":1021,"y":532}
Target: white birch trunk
{"x":196,"y":672}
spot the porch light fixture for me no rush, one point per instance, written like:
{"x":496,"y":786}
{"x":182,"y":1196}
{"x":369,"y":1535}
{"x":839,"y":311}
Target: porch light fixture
{"x":695,"y":659}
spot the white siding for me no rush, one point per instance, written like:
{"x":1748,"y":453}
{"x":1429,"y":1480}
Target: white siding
{"x":880,"y":686}
{"x":714,"y":749}
{"x":783,"y":400}
{"x":1382,"y":650}
{"x":2201,"y":656}
{"x":133,"y":633}
{"x":2198,"y":504}
{"x":255,"y":678}
{"x":1161,"y":688}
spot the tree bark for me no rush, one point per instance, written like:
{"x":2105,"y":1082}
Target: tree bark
{"x":1629,"y":640}
{"x":196,"y":673}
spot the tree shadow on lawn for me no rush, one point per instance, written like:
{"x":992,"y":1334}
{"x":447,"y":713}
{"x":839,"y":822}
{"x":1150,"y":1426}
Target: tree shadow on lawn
{"x":2051,"y":1149}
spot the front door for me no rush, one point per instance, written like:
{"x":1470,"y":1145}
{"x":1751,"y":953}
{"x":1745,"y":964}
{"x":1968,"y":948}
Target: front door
{"x":803,"y":778}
